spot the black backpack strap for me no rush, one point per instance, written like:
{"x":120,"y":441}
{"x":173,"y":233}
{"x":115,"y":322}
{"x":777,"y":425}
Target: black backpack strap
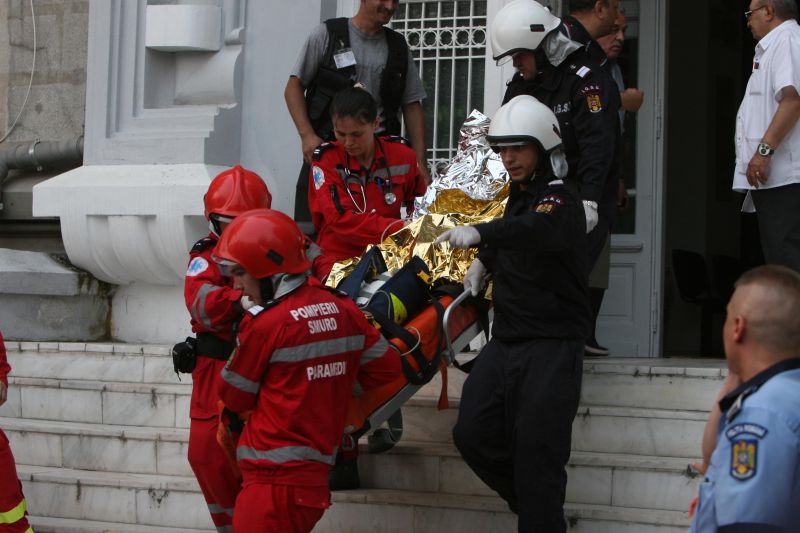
{"x":338,"y":38}
{"x":393,"y":80}
{"x":329,"y":79}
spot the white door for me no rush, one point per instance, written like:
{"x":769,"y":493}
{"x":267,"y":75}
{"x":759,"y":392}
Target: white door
{"x":630,"y":321}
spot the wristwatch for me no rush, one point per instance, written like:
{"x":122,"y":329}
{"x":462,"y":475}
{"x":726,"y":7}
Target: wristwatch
{"x":765,"y":149}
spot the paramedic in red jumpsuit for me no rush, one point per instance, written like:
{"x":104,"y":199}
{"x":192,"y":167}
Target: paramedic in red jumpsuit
{"x":359,"y":182}
{"x":300,"y":351}
{"x":13,"y":514}
{"x":214,"y":305}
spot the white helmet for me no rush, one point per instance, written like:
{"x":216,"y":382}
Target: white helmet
{"x":520,"y":25}
{"x":524,"y":119}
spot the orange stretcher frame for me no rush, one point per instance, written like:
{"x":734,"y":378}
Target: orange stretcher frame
{"x":460,"y":324}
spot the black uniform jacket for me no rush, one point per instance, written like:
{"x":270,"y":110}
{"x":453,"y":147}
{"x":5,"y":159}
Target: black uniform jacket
{"x":586,"y":102}
{"x":537,"y":255}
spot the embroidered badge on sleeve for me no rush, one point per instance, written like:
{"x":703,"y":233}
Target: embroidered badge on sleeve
{"x":319,"y":177}
{"x":744,"y":439}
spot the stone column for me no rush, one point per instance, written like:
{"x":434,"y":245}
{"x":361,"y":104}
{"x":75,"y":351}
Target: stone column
{"x":164,"y":115}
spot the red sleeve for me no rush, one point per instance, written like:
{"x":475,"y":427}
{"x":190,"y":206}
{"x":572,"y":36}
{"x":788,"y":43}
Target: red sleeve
{"x":5,"y":368}
{"x":242,"y":376}
{"x":211,"y":300}
{"x":331,"y":206}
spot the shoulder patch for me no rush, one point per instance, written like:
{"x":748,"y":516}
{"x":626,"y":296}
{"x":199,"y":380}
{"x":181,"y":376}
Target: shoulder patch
{"x":203,"y":244}
{"x":255,"y":310}
{"x":744,"y":439}
{"x":197,"y":266}
{"x":549,"y":204}
{"x":744,"y":458}
{"x":319,"y":150}
{"x":398,"y":139}
{"x":318,"y":175}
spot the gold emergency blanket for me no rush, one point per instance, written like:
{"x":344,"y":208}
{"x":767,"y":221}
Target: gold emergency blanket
{"x":470,"y":189}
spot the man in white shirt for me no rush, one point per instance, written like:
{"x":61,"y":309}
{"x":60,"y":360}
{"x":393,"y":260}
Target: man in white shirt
{"x":767,"y":139}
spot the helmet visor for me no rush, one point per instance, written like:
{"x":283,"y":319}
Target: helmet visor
{"x":226,"y":266}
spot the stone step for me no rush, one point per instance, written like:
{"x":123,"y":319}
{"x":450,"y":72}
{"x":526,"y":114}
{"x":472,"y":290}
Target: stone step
{"x":98,"y":447}
{"x":174,"y":502}
{"x":642,"y":482}
{"x":98,"y":402}
{"x":122,"y":362}
{"x":678,"y":383}
{"x":628,"y":430}
{"x":387,"y":511}
{"x":43,"y":524}
{"x":148,"y":500}
{"x":595,"y":478}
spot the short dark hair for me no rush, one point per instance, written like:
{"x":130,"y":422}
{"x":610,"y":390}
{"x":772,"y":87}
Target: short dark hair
{"x":784,"y":9}
{"x":777,"y":324}
{"x":355,"y":103}
{"x":579,"y":6}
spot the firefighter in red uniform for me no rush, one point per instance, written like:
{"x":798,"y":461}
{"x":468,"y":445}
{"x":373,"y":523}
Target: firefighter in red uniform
{"x":13,"y":514}
{"x":300,"y":351}
{"x":214,"y":306}
{"x":359,"y":182}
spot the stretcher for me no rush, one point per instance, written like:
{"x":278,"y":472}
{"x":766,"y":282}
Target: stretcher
{"x":429,"y":344}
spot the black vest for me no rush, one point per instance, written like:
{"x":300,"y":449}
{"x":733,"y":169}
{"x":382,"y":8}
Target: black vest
{"x":331,"y":80}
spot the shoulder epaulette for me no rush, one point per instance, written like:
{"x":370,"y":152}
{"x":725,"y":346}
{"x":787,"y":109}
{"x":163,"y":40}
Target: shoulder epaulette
{"x":319,"y":150}
{"x":582,"y":71}
{"x":255,"y":310}
{"x":203,"y":244}
{"x":398,"y":139}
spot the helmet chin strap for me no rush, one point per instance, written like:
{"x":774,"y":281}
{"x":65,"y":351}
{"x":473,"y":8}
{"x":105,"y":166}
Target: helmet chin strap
{"x":213,"y":226}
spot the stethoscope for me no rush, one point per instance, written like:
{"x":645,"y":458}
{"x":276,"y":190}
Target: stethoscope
{"x":385,"y":185}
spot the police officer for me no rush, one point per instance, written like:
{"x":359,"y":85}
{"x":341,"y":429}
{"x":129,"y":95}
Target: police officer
{"x":214,"y":305}
{"x":752,"y":484}
{"x":300,"y":352}
{"x":13,"y":509}
{"x":339,"y":53}
{"x":360,"y":182}
{"x":562,"y":74}
{"x":515,"y":420}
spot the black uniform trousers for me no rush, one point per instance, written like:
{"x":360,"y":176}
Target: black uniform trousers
{"x":779,"y":224}
{"x":514,"y":425}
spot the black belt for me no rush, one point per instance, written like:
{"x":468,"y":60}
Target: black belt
{"x":209,"y":345}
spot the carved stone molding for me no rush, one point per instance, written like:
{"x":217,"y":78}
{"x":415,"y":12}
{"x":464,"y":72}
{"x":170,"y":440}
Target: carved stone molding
{"x":129,"y":223}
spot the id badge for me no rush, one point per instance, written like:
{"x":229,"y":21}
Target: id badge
{"x":344,"y":58}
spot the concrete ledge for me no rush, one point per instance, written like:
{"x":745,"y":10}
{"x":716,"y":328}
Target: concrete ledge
{"x":42,"y":298}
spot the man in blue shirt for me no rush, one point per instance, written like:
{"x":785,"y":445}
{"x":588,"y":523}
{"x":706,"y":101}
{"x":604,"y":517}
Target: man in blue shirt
{"x":753,"y":482}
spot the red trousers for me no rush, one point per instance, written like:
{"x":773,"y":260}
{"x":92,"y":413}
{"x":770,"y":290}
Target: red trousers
{"x":270,"y":508}
{"x":211,"y":467}
{"x":12,"y":501}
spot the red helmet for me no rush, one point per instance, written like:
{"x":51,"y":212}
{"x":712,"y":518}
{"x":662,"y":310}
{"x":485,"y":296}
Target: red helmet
{"x":264,"y":242}
{"x":235,"y":191}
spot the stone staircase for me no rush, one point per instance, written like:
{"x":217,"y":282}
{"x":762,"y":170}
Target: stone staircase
{"x":99,"y":432}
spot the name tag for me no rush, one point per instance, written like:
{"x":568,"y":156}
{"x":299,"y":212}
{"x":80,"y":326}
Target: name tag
{"x":344,"y":58}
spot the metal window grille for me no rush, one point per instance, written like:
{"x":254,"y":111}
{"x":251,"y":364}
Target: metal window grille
{"x":447,"y":39}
